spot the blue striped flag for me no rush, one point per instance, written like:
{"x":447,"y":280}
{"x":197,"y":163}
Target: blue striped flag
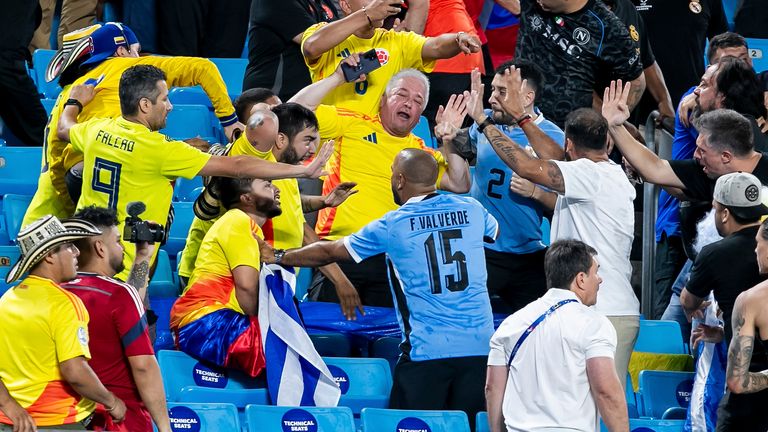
{"x":296,"y":374}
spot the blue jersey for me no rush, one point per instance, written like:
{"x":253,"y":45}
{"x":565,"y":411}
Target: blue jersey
{"x":436,"y":266}
{"x":519,"y":217}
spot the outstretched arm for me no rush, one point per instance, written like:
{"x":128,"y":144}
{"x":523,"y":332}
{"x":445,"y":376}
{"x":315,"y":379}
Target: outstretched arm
{"x":312,"y":95}
{"x":651,"y":167}
{"x":313,"y":255}
{"x":448,"y":45}
{"x":738,"y":376}
{"x":244,"y":166}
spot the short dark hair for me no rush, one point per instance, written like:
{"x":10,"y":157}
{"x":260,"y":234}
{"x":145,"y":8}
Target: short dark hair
{"x":528,"y":71}
{"x":229,"y":189}
{"x":564,"y":260}
{"x":249,"y":98}
{"x":725,"y":40}
{"x":99,"y":216}
{"x":741,"y":89}
{"x":293,"y":118}
{"x":726,"y":129}
{"x":139,"y":82}
{"x":587,"y":129}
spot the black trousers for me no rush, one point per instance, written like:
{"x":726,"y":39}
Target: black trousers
{"x":670,"y":258}
{"x":369,"y":277}
{"x":517,"y":279}
{"x":21,"y":109}
{"x":202,"y":28}
{"x":444,"y":384}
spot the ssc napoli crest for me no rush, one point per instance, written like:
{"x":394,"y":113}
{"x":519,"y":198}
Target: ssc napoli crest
{"x":383,"y":55}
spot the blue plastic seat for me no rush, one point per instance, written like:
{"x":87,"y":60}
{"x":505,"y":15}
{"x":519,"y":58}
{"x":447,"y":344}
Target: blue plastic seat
{"x":40,"y":59}
{"x":19,"y":169}
{"x":161,"y":306}
{"x":758,"y":50}
{"x":387,"y":348}
{"x":8,"y":257}
{"x":163,"y":282}
{"x":14,"y":208}
{"x":481,"y":422}
{"x":262,"y":418}
{"x":423,"y":131}
{"x":657,"y":336}
{"x":182,"y":220}
{"x":331,"y":344}
{"x":232,"y":71}
{"x":188,"y":380}
{"x":189,"y":121}
{"x":661,"y":390}
{"x":187,"y":190}
{"x":385,"y":420}
{"x":48,"y":104}
{"x":364,"y":382}
{"x":647,"y":425}
{"x":203,"y":416}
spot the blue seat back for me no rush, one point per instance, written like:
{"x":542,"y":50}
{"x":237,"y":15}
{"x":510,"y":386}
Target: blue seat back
{"x":19,"y":169}
{"x":261,"y":418}
{"x":387,"y":348}
{"x":203,"y":416}
{"x":758,"y":50}
{"x":422,"y":131}
{"x":40,"y":59}
{"x":331,"y":344}
{"x":163,"y":282}
{"x":180,"y":372}
{"x":481,"y":422}
{"x":658,"y":336}
{"x":48,"y":104}
{"x":189,"y":121}
{"x":648,"y":425}
{"x":364,"y":382}
{"x":9,"y":255}
{"x":660,"y":390}
{"x":385,"y":420}
{"x":14,"y":208}
{"x":182,"y":220}
{"x":187,"y":190}
{"x":232,"y":71}
{"x":163,"y":336}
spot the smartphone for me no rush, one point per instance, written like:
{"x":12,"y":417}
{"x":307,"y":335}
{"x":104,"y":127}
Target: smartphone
{"x":369,"y":61}
{"x":389,"y":21}
{"x":94,"y":81}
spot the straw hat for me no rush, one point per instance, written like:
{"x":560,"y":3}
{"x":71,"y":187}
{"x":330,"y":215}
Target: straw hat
{"x":37,"y":239}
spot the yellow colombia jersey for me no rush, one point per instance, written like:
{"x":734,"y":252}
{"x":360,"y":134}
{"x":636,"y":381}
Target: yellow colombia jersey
{"x":51,"y":196}
{"x":396,"y":51}
{"x":125,"y":162}
{"x":43,"y":326}
{"x":283,"y":232}
{"x":364,"y":153}
{"x":230,"y":242}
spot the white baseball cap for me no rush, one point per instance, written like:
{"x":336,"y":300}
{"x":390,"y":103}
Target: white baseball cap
{"x":742,"y":193}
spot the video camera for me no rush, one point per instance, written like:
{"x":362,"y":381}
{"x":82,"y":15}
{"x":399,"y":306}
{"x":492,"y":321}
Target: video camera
{"x":137,"y":230}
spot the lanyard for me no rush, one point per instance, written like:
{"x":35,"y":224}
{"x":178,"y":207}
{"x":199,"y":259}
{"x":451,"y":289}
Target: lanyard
{"x":534,"y":325}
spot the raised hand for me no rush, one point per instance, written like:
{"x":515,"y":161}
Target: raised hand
{"x":615,"y":108}
{"x":84,"y":93}
{"x":233,"y":131}
{"x":339,"y":194}
{"x":513,"y":103}
{"x":455,"y":111}
{"x":475,"y":97}
{"x":521,"y":186}
{"x":351,"y":60}
{"x":378,"y":10}
{"x":316,"y":168}
{"x":467,"y":43}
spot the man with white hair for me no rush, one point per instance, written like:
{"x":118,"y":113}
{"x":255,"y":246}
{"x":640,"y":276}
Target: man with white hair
{"x":367,"y":147}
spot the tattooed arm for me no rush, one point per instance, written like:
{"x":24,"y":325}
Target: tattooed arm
{"x":545,"y":173}
{"x":738,"y":376}
{"x":139,"y":275}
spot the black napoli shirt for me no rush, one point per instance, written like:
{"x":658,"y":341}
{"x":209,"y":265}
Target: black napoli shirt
{"x":572,"y":51}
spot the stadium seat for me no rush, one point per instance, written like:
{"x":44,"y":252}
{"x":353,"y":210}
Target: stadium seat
{"x":182,"y":220}
{"x":481,"y":422}
{"x":331,"y":344}
{"x":364,"y":382}
{"x":48,"y":105}
{"x":203,"y":416}
{"x":14,"y":208}
{"x":189,"y":121}
{"x":646,"y":425}
{"x":262,"y":418}
{"x":423,"y":131}
{"x":386,"y":420}
{"x":8,"y":256}
{"x":660,"y":390}
{"x":163,"y":283}
{"x":40,"y":59}
{"x":303,"y":282}
{"x":19,"y":169}
{"x":161,"y":306}
{"x":187,"y":190}
{"x":387,"y":348}
{"x":233,"y":71}
{"x":658,"y":336}
{"x":188,"y":380}
{"x":758,"y":50}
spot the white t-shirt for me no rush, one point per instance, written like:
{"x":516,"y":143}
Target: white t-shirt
{"x":547,"y":387}
{"x":597,"y":209}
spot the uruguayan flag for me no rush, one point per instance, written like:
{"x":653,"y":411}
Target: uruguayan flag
{"x":296,"y":374}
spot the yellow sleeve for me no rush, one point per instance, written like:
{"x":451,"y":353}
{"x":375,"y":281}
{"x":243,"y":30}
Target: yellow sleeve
{"x":182,"y":160}
{"x":328,"y":57}
{"x":442,"y":164}
{"x":411,"y":45}
{"x":238,"y":243}
{"x":69,"y":328}
{"x":192,"y":71}
{"x":331,"y":124}
{"x":77,"y":135}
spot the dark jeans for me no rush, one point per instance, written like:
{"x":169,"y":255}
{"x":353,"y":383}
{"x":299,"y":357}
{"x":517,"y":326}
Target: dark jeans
{"x":20,"y":109}
{"x":369,"y":276}
{"x":518,"y":279}
{"x":670,"y":258}
{"x":202,"y":28}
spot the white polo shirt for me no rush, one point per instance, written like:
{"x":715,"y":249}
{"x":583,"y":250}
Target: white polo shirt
{"x":597,"y":209}
{"x":547,"y":387}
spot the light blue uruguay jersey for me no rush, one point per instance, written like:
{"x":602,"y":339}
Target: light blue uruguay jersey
{"x":436,"y":266}
{"x":519,"y":217}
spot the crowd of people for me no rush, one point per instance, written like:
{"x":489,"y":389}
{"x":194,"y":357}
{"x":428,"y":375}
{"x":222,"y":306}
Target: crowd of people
{"x":550,"y":137}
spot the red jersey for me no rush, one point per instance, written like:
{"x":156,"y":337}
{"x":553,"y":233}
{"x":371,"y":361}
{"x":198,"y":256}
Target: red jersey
{"x":118,"y":319}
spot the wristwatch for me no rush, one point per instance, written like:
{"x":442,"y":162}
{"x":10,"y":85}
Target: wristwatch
{"x":279,"y":253}
{"x":74,"y":102}
{"x":484,"y":124}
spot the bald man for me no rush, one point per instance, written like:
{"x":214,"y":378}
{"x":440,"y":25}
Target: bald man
{"x":434,"y":244}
